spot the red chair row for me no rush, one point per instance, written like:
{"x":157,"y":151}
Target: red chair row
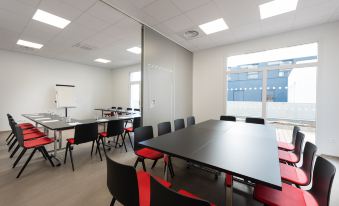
{"x":141,"y":189}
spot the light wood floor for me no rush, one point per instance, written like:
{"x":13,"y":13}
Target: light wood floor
{"x":42,"y":185}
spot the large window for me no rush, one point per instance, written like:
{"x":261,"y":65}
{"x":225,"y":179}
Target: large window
{"x":278,"y":85}
{"x":135,"y":79}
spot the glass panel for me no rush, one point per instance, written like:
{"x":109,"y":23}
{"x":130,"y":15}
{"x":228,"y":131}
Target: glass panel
{"x":135,"y":76}
{"x":293,"y":95}
{"x":135,"y":95}
{"x":244,"y":94}
{"x":306,"y":53}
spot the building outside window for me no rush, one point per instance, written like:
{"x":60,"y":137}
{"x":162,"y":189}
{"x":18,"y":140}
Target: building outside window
{"x":135,"y":89}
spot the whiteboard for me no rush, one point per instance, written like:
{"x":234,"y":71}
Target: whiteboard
{"x":65,"y":96}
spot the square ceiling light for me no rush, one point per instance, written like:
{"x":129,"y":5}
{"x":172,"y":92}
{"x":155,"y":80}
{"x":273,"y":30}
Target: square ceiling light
{"x":104,"y":61}
{"x":29,"y":44}
{"x":135,"y":50}
{"x":214,"y":26}
{"x":50,"y":19}
{"x":277,"y":7}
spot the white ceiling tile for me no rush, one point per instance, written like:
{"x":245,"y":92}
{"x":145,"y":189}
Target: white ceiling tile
{"x":204,"y":14}
{"x":178,"y":23}
{"x":18,"y":8}
{"x":141,"y":3}
{"x":162,"y":10}
{"x":77,"y":33}
{"x":246,"y":32}
{"x":11,"y":21}
{"x":82,"y":5}
{"x":33,"y":3}
{"x":40,"y":33}
{"x":189,"y":4}
{"x":105,"y":13}
{"x":60,"y":9}
{"x":308,"y":3}
{"x":87,"y":20}
{"x":8,"y":39}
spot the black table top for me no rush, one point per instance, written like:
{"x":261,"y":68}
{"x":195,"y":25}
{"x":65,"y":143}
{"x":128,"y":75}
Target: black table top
{"x":116,"y":110}
{"x":245,"y":150}
{"x":48,"y":120}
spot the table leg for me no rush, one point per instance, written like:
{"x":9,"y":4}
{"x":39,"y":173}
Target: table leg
{"x":60,"y":139}
{"x":229,"y":189}
{"x":166,"y":167}
{"x":102,"y":113}
{"x":54,"y":155}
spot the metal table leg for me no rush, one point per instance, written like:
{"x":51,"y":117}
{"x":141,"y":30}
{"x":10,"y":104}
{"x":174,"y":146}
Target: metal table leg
{"x":229,"y":190}
{"x":55,"y":160}
{"x":60,"y":139}
{"x":166,"y":167}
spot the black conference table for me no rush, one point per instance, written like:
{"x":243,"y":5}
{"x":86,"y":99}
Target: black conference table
{"x":240,"y":149}
{"x":116,"y":110}
{"x":57,"y":124}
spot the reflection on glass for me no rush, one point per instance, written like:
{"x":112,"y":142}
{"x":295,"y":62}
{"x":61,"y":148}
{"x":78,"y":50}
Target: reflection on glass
{"x":135,"y":76}
{"x":135,"y":95}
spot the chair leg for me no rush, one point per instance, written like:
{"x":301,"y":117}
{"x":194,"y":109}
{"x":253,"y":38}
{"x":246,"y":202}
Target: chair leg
{"x":123,"y":142}
{"x":129,"y":137}
{"x":26,"y":163}
{"x":136,"y":163}
{"x":42,"y":152}
{"x":43,"y":149}
{"x":117,"y":141}
{"x":103,"y":145}
{"x":98,"y":143}
{"x":171,"y":167}
{"x":12,"y":145}
{"x":14,"y":151}
{"x":70,"y":154}
{"x":154,"y":163}
{"x":113,"y":201}
{"x":10,"y":140}
{"x":143,"y":164}
{"x":92,"y":148}
{"x":19,"y":157}
{"x":67,"y":146}
{"x":9,"y":136}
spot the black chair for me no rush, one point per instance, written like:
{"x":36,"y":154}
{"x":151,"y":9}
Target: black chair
{"x":128,"y":186}
{"x":319,"y":194}
{"x":129,"y":111}
{"x":84,"y":133}
{"x":293,"y":157}
{"x":119,"y":110}
{"x":303,"y":177}
{"x":163,"y":196}
{"x":179,"y":124}
{"x":143,"y":134}
{"x":137,"y":110}
{"x":165,"y":128}
{"x":289,"y":146}
{"x":35,"y":144}
{"x":255,"y":120}
{"x":190,"y":121}
{"x":228,"y":118}
{"x":136,"y":124}
{"x":114,"y":128}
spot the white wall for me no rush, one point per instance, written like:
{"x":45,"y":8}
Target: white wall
{"x":27,"y":85}
{"x":167,"y":88}
{"x":209,"y":83}
{"x":121,"y":85}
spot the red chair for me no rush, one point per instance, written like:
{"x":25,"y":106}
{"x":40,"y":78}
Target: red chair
{"x":300,"y":176}
{"x":319,"y":194}
{"x":35,"y":144}
{"x":83,"y":133}
{"x":128,"y":186}
{"x":293,"y":157}
{"x":136,"y":124}
{"x":163,"y":196}
{"x":143,"y":134}
{"x":114,"y":128}
{"x":289,"y":146}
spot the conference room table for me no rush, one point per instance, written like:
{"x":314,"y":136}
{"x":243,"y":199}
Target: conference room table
{"x":57,"y":124}
{"x":243,"y":150}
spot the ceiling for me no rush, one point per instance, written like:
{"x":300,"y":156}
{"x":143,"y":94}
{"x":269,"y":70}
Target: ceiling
{"x":95,"y":26}
{"x":173,"y":17}
{"x":108,"y":33}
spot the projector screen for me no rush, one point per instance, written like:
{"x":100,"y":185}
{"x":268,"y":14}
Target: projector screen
{"x":65,"y":96}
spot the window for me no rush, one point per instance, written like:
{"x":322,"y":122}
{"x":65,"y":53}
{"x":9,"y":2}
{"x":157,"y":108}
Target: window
{"x":279,"y":84}
{"x":135,"y":79}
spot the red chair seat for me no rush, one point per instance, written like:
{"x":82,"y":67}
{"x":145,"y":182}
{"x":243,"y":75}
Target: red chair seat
{"x":103,"y":134}
{"x":70,"y":140}
{"x":149,"y":154}
{"x":187,"y":194}
{"x":288,"y":156}
{"x":25,"y":124}
{"x":293,"y":175}
{"x":23,"y":127}
{"x":33,"y":135}
{"x":30,"y":131}
{"x":37,"y":142}
{"x":286,"y":146}
{"x":288,"y":196}
{"x":129,"y":129}
{"x":144,"y":185}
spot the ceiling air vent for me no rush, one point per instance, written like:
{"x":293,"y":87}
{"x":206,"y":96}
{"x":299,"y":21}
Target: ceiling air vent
{"x":190,"y":34}
{"x":84,"y":46}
